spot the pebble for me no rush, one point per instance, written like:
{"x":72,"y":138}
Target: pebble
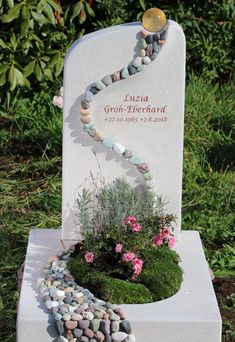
{"x":92,"y":340}
{"x":127,"y":154}
{"x":116,"y":76}
{"x":84,"y":112}
{"x":137,"y":62}
{"x":142,"y":52}
{"x":98,"y":314}
{"x":99,"y":336}
{"x":85,"y":104}
{"x":135,"y":160}
{"x":76,"y":317}
{"x":105,"y":326}
{"x":132,"y":70}
{"x":107,"y":80}
{"x":108,"y":143}
{"x":163,"y":35}
{"x":83,"y":324}
{"x":61,"y":339}
{"x":161,"y":42}
{"x":98,"y":136}
{"x":85,"y":119}
{"x":71,"y":325}
{"x":156,"y":47}
{"x":142,"y":43}
{"x":113,"y":316}
{"x":89,"y":333}
{"x":108,"y":338}
{"x":66,"y":317}
{"x":57,"y":316}
{"x":121,"y":313}
{"x":115,"y":326}
{"x":77,"y":333}
{"x":154,"y":56}
{"x":69,"y":335}
{"x":143,"y":167}
{"x":99,"y":85}
{"x":119,"y":148}
{"x":141,"y":68}
{"x":88,"y":315}
{"x":119,"y":336}
{"x":88,"y":127}
{"x":95,"y":324}
{"x":125,"y":327}
{"x":130,"y":338}
{"x":60,"y":327}
{"x":106,"y":316}
{"x":124,"y":73}
{"x":146,"y":60}
{"x":149,"y":39}
{"x":94,"y":90}
{"x":156,"y":37}
{"x":88,"y":96}
{"x":149,"y":50}
{"x":83,"y":339}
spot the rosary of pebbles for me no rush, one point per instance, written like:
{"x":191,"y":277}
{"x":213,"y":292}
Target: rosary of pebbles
{"x":150,"y":45}
{"x":79,"y":316}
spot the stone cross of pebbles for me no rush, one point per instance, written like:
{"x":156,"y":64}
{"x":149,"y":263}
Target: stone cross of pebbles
{"x":79,"y":316}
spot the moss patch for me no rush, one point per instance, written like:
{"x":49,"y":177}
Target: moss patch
{"x":160,"y":279}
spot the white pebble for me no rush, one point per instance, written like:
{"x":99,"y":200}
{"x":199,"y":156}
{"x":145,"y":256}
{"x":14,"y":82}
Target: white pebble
{"x":146,"y":60}
{"x":119,"y":336}
{"x":119,"y":148}
{"x":137,"y":62}
{"x":130,"y":338}
{"x":60,"y":293}
{"x":88,"y":315}
{"x":54,"y":304}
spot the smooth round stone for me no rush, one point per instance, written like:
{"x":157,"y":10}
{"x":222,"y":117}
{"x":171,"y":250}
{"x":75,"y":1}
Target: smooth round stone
{"x":54,"y":304}
{"x":137,"y":62}
{"x":62,"y":339}
{"x":124,"y":73}
{"x":107,"y":80}
{"x":57,"y":316}
{"x":88,"y":315}
{"x":66,"y":317}
{"x":127,"y":154}
{"x":141,"y":68}
{"x":99,"y":336}
{"x":125,"y":327}
{"x":88,"y":127}
{"x":85,"y":104}
{"x":149,"y":50}
{"x":92,"y":340}
{"x":113,"y":316}
{"x":143,"y":34}
{"x":83,"y":324}
{"x":116,"y":76}
{"x":95,"y":324}
{"x":84,"y":339}
{"x":108,"y":143}
{"x":94,"y":90}
{"x":154,"y":56}
{"x":98,"y":136}
{"x":130,"y":338}
{"x":119,"y":336}
{"x":119,"y":149}
{"x":60,"y":327}
{"x":146,"y":60}
{"x":135,"y":160}
{"x":143,"y":167}
{"x":105,"y":326}
{"x":106,"y":316}
{"x":163,"y":35}
{"x":84,"y":112}
{"x":121,"y":313}
{"x":142,"y":43}
{"x":99,"y":85}
{"x":70,"y":325}
{"x":92,"y":133}
{"x":98,"y":314}
{"x":85,"y":119}
{"x":88,"y":333}
{"x":115,"y":326}
{"x":132,"y":70}
{"x":108,"y":338}
{"x":149,"y":39}
{"x":156,"y":37}
{"x":156,"y":47}
{"x":88,"y":96}
{"x":142,"y":53}
{"x":161,"y":42}
{"x":77,"y":333}
{"x":76,"y":317}
{"x":107,"y":304}
{"x":154,"y":20}
{"x":48,"y":304}
{"x":60,"y":293}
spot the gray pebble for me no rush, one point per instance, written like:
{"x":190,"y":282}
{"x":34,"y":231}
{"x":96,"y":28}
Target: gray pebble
{"x":77,"y":333}
{"x":95,"y":324}
{"x":115,"y":326}
{"x":149,"y":39}
{"x":107,"y":80}
{"x":105,"y":326}
{"x":124,"y":73}
{"x":125,"y":326}
{"x":163,"y":35}
{"x":88,"y":96}
{"x":132,"y":70}
{"x":60,"y":326}
{"x":83,"y":324}
{"x":83,"y":339}
{"x":94,"y":90}
{"x":108,"y":338}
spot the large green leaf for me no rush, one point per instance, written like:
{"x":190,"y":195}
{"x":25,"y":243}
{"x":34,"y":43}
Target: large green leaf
{"x":21,"y":79}
{"x":49,"y":13}
{"x":10,"y":3}
{"x":12,"y":77}
{"x":2,"y":44}
{"x":38,"y":72}
{"x":29,"y":68}
{"x":90,"y":10}
{"x":24,"y":28}
{"x":76,"y":10}
{"x":12,"y":14}
{"x":40,"y":18}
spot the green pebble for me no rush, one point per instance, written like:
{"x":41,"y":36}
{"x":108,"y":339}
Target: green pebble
{"x":143,"y":44}
{"x":135,"y":160}
{"x":108,"y":143}
{"x":124,"y":73}
{"x":88,"y":127}
{"x":141,"y":68}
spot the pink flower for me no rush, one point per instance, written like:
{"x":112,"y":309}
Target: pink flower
{"x":136,"y":227}
{"x":129,"y":256}
{"x":165,"y":232}
{"x":58,"y":101}
{"x":137,"y":265}
{"x":171,"y":241}
{"x":118,"y":248}
{"x":89,"y":257}
{"x":157,"y":240}
{"x":130,"y":220}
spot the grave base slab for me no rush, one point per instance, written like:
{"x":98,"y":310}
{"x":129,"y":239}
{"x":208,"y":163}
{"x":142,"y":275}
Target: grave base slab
{"x":191,"y":315}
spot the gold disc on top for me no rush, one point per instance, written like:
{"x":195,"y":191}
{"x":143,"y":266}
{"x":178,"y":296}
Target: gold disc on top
{"x":154,"y":20}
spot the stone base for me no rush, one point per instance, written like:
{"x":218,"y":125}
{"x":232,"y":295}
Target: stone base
{"x":191,"y":315}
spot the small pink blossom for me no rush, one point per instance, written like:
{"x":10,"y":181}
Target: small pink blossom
{"x":165,"y":232}
{"x":130,"y":220}
{"x":171,"y":241}
{"x":157,"y":240}
{"x":118,"y":248}
{"x":89,"y":257}
{"x":136,"y":227}
{"x":137,"y":265}
{"x":58,"y":101}
{"x":129,"y":256}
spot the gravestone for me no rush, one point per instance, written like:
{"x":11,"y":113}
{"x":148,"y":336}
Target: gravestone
{"x":192,"y":314}
{"x":143,"y":112}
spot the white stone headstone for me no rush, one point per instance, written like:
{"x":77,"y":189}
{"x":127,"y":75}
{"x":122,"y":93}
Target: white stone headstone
{"x":117,"y":111}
